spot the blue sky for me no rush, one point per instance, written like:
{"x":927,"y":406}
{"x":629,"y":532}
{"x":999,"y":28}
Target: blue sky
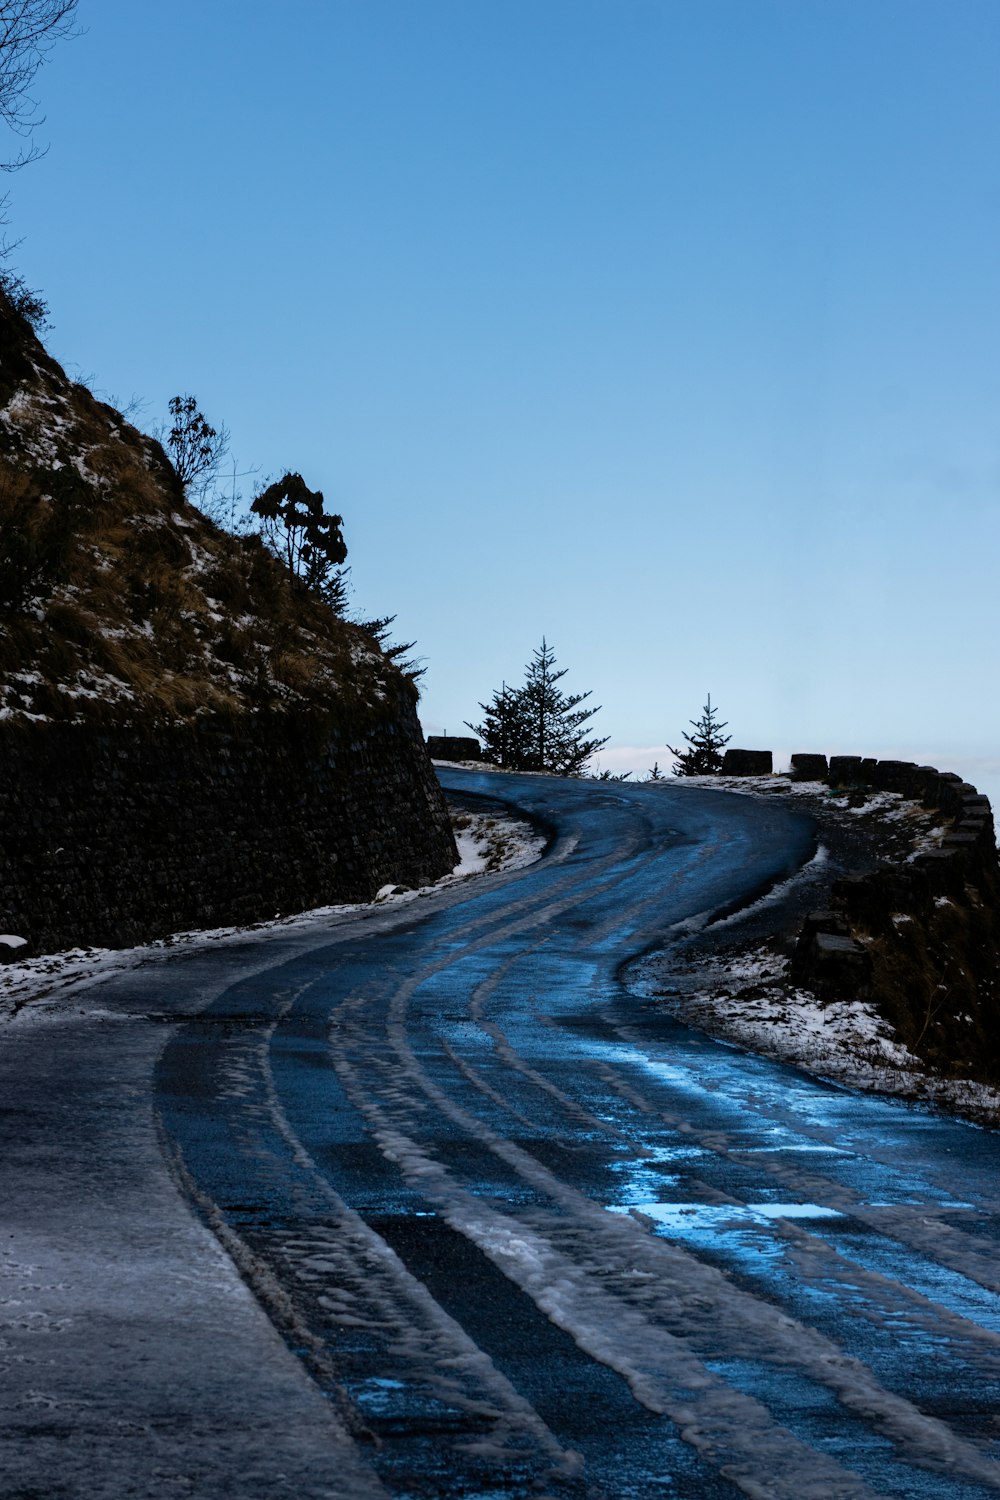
{"x":665,"y":328}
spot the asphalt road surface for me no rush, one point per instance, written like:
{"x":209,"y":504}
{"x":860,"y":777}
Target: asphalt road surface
{"x":428,"y":1204}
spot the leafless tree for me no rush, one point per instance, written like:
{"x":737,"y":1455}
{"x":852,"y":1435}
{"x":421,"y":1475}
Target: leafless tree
{"x":196,"y":448}
{"x":29,"y":29}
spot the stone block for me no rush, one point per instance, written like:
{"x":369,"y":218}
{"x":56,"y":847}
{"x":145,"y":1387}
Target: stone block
{"x":976,"y":807}
{"x":845,"y":770}
{"x":895,"y":776}
{"x":948,"y":796}
{"x":747,"y":763}
{"x":925,"y":782}
{"x":826,"y":921}
{"x":833,"y":965}
{"x":809,"y":767}
{"x":453,"y":747}
{"x":944,"y":870}
{"x":964,"y":839}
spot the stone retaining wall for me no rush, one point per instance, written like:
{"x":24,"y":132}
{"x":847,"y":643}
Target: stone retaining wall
{"x":114,"y":838}
{"x":921,"y":938}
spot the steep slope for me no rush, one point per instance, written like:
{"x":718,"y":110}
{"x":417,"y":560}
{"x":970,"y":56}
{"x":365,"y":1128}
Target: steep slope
{"x":147,"y":657}
{"x":122,"y":602}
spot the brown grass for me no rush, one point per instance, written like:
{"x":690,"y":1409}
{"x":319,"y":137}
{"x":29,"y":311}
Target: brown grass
{"x":187,"y":619}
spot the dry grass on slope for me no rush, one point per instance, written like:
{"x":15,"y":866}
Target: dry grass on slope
{"x":121,"y":602}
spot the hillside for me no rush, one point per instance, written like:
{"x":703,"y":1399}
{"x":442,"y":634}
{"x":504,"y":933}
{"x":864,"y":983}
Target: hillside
{"x":120,"y":602}
{"x":188,"y":737}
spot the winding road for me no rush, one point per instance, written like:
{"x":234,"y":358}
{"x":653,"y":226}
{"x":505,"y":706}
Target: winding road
{"x":428,"y":1203}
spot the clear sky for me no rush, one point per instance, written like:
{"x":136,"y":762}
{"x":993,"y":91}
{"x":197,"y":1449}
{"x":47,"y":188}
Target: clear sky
{"x":665,"y":328}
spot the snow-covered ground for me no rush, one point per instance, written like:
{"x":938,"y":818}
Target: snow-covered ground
{"x":746,"y":999}
{"x":487,"y":844}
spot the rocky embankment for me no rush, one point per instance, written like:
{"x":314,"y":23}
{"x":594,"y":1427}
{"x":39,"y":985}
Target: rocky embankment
{"x":879,"y":964}
{"x":919,"y":935}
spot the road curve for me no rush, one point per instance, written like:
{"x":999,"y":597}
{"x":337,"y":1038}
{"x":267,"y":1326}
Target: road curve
{"x":524,"y":1235}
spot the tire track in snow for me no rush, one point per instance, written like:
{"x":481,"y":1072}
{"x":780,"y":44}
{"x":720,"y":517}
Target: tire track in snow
{"x":884,"y":1298}
{"x":919,"y":1437}
{"x":966,"y":1255}
{"x":652,"y":1311}
{"x":331,"y":1275}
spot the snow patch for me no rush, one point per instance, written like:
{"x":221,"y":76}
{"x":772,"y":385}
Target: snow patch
{"x":747,"y":1001}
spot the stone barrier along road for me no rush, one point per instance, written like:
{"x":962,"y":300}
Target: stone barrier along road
{"x":920,"y":937}
{"x":506,"y":1227}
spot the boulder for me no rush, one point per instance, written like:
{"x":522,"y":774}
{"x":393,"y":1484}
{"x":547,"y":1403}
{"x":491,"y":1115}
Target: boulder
{"x":747,"y":763}
{"x":845,"y":770}
{"x":809,"y":768}
{"x":453,"y":747}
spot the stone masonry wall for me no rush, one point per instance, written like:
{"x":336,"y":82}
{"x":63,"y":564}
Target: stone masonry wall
{"x":117,"y":838}
{"x":920,"y":938}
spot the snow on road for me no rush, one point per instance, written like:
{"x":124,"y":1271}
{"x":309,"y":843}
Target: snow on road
{"x":488,"y":843}
{"x":517,"y":1230}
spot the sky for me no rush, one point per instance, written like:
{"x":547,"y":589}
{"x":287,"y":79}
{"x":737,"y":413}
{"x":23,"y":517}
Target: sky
{"x":666,"y":329}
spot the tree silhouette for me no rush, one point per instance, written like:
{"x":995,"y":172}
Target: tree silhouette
{"x":504,"y":730}
{"x":196,"y":447}
{"x":538,"y":727}
{"x":704,"y":754}
{"x":28,"y":29}
{"x":303,"y":535}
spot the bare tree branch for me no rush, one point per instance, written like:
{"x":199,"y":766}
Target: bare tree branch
{"x":29,"y":29}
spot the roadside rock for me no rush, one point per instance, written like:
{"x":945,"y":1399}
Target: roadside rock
{"x":746,"y":763}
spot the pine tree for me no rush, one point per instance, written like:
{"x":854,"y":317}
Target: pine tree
{"x":704,"y":755}
{"x":380,"y":630}
{"x":538,"y":727}
{"x":504,"y":730}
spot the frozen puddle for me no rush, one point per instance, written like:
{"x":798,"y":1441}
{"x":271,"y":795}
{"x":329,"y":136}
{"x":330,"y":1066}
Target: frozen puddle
{"x":793,"y":1211}
{"x":700,"y":1217}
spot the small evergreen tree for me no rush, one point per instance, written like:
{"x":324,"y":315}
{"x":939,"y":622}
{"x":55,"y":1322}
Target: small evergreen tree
{"x":704,"y":754}
{"x":538,"y":727}
{"x":655,"y":774}
{"x":556,"y":724}
{"x":394,"y":650}
{"x":504,"y":730}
